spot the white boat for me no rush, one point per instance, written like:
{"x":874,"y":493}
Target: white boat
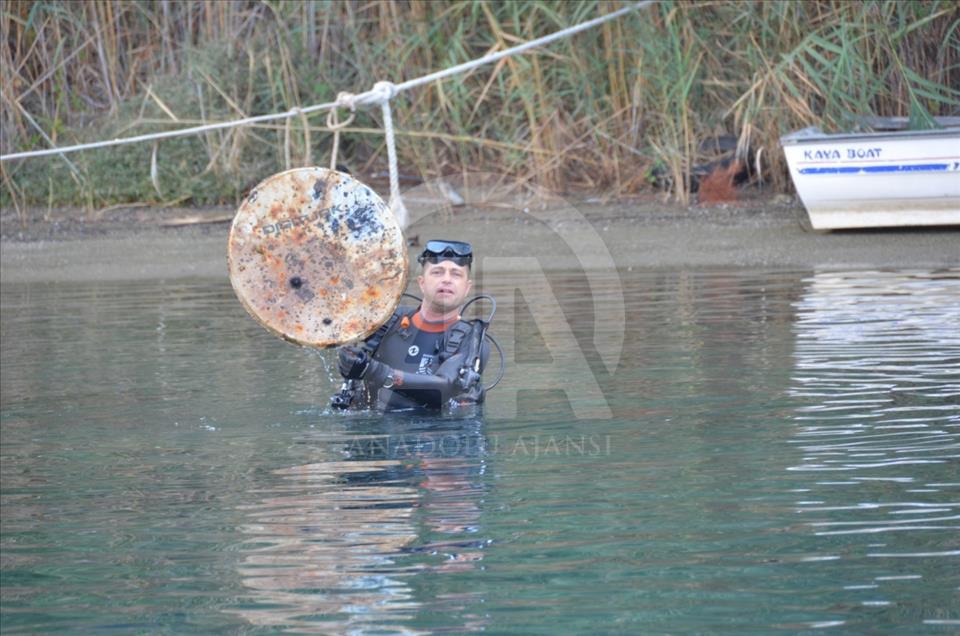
{"x":880,"y":179}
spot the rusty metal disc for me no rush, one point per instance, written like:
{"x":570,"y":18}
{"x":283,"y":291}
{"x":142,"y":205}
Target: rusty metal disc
{"x":317,"y":257}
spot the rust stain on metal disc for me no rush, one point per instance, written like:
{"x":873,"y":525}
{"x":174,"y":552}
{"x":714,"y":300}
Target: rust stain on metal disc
{"x":317,"y":257}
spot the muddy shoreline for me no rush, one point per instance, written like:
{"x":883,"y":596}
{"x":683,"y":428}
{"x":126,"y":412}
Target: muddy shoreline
{"x":141,"y":243}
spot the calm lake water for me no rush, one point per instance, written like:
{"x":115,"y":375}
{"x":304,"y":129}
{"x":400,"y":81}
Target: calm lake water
{"x":768,"y":452}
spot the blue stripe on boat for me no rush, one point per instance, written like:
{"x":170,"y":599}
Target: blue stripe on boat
{"x":914,"y":167}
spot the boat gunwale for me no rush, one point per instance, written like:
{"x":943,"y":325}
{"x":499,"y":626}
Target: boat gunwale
{"x":813,"y":135}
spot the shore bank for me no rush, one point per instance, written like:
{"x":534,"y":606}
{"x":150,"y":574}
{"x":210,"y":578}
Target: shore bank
{"x":135,"y":244}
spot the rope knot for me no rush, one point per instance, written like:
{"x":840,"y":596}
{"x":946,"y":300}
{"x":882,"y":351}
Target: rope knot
{"x":383,"y":91}
{"x":346,"y":100}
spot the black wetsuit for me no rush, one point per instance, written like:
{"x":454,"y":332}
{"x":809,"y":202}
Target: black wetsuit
{"x":434,"y":361}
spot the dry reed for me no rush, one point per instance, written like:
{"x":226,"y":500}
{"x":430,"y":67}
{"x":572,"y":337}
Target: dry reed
{"x":619,"y":110}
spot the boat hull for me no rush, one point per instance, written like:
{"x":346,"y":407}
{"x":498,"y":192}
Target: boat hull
{"x":909,"y":178}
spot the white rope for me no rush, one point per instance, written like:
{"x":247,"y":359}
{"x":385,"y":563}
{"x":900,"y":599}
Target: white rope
{"x":380,"y":92}
{"x":293,"y":112}
{"x":396,"y":202}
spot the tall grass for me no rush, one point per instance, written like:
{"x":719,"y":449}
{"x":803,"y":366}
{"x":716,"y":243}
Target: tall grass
{"x":620,"y":109}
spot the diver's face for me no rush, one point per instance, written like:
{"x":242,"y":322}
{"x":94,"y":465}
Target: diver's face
{"x":444,"y":285}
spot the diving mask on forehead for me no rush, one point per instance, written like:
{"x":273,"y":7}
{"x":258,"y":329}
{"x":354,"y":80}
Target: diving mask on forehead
{"x":459,"y":252}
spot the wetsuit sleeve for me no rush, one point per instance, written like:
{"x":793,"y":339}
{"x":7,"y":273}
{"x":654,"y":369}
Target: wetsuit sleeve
{"x":430,"y":390}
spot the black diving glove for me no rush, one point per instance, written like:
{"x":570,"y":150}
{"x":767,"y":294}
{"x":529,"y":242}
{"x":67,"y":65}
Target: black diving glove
{"x":354,"y":363}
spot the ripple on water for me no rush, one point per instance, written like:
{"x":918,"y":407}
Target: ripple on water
{"x":877,"y":379}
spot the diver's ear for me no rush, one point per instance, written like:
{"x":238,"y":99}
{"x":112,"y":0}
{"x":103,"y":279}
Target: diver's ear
{"x":420,"y":282}
{"x":469,"y":285}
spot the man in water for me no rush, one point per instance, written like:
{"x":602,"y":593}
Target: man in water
{"x":427,"y":358}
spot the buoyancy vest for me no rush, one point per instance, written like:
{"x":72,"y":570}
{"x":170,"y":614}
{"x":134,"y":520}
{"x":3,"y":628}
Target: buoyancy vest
{"x":435,"y":362}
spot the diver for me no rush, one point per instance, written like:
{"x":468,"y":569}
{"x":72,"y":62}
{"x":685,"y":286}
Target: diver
{"x":428,"y":358}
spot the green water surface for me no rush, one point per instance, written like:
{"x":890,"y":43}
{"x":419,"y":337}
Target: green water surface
{"x":770,"y":452}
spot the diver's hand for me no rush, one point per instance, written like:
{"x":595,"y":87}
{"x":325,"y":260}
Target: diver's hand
{"x":352,"y":362}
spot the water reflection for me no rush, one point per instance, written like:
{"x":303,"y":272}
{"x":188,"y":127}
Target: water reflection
{"x":332,"y":544}
{"x":877,"y":374}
